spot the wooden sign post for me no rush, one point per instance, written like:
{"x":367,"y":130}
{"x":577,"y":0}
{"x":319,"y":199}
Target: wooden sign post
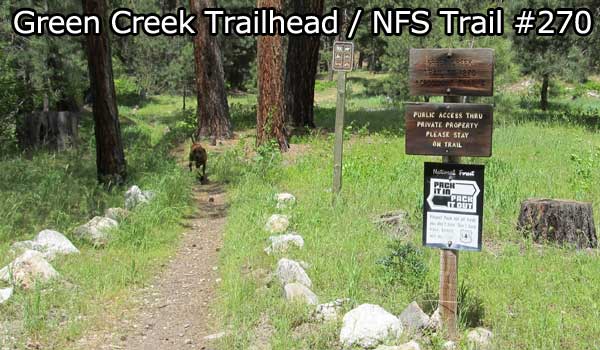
{"x":343,"y":61}
{"x":451,"y":130}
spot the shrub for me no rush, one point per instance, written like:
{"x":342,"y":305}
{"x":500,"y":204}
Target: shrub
{"x":128,"y":91}
{"x":405,"y":265}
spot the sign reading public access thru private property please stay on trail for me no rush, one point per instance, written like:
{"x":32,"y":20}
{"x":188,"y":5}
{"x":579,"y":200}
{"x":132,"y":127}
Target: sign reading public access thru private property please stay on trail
{"x":453,"y":208}
{"x":451,"y":72}
{"x":449,"y":129}
{"x":343,"y":56}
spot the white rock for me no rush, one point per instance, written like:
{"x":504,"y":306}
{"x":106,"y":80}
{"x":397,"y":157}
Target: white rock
{"x":285,"y":200}
{"x":480,"y":338}
{"x":28,"y":268}
{"x":330,"y":311}
{"x":51,"y":243}
{"x":97,"y":230}
{"x":413,"y":318}
{"x":411,"y":345}
{"x":5,"y":294}
{"x":281,"y":244}
{"x":135,"y":196}
{"x":435,"y":321}
{"x":368,"y":326}
{"x":277,"y":223}
{"x":296,"y":292}
{"x":149,"y":195}
{"x":289,"y":271}
{"x":449,"y":345}
{"x":117,"y":214}
{"x":215,"y":336}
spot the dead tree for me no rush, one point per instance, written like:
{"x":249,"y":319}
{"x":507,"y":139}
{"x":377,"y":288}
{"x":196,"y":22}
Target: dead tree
{"x":271,"y":106}
{"x":110,"y":158}
{"x":564,"y":222}
{"x":213,"y":111}
{"x":57,"y":131}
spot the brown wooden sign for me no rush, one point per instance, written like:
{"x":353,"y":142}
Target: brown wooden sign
{"x":449,"y":129}
{"x":451,"y":72}
{"x":343,"y":56}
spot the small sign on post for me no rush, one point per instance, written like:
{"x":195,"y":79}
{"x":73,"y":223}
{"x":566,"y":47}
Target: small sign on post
{"x":343,"y":61}
{"x":343,"y":56}
{"x":453,"y":206}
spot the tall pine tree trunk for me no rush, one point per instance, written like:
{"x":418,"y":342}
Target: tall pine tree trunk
{"x":544,"y":92}
{"x":271,"y":106}
{"x":110,"y":158}
{"x":301,"y":69}
{"x":213,"y":110}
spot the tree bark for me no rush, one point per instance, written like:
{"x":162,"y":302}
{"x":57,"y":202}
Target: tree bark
{"x":330,"y":62}
{"x":301,"y":69}
{"x":213,"y":111}
{"x":544,"y":92}
{"x":564,"y":222}
{"x":271,"y":106}
{"x":361,"y":60}
{"x":110,"y":158}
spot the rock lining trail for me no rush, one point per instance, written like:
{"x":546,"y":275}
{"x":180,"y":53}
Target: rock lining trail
{"x":174,"y":310}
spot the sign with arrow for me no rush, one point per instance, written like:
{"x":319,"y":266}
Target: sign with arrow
{"x":453,"y":208}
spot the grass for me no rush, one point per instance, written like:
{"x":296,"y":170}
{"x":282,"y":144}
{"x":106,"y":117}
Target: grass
{"x":59,"y":191}
{"x":534,"y":297}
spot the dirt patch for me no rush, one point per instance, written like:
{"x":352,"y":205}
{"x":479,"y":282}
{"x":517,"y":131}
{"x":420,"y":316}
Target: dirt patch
{"x":174,"y":311}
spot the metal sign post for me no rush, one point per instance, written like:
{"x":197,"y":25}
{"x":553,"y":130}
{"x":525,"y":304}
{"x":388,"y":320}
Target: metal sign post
{"x":343,"y":61}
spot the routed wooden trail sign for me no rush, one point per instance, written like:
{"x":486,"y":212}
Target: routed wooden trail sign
{"x":451,"y":72}
{"x":449,"y":129}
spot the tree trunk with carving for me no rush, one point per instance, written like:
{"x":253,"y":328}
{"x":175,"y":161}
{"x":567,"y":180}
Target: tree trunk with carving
{"x":213,"y":111}
{"x":110,"y":158}
{"x":563,"y":222}
{"x":271,"y":105}
{"x":301,"y":69}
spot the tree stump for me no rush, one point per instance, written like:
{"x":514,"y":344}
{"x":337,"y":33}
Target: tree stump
{"x":564,"y":222}
{"x":55,"y":130}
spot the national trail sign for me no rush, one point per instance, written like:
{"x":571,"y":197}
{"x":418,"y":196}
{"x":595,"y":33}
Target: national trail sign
{"x":451,"y":72}
{"x":343,"y":56}
{"x":453,"y":208}
{"x":449,"y":129}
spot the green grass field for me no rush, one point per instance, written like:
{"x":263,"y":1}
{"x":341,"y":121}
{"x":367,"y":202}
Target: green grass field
{"x":531,"y":296}
{"x":60,"y":192}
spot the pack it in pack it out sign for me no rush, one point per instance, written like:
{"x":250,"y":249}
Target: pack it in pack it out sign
{"x":343,"y":56}
{"x":453,"y":208}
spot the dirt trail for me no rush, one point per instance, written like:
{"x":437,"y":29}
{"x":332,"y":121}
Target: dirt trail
{"x":173,"y":312}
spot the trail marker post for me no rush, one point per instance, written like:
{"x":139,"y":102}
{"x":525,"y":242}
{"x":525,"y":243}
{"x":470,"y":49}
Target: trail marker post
{"x":453,"y":193}
{"x":343,"y":62}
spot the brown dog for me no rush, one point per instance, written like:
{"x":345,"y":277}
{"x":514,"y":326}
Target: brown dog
{"x":198,"y":156}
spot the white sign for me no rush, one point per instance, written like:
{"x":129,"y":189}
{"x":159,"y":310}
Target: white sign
{"x":453,"y":206}
{"x":447,"y":229}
